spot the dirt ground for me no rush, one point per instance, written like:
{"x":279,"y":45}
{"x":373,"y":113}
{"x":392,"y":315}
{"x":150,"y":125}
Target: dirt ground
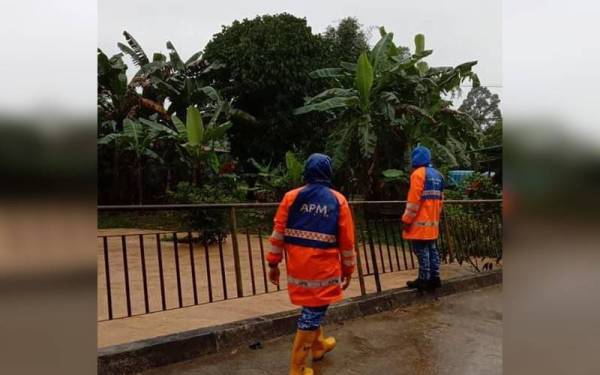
{"x":459,"y":334}
{"x":211,"y":265}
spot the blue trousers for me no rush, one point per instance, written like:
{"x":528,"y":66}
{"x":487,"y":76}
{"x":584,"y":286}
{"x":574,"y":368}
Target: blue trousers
{"x":429,"y":258}
{"x":311,"y":317}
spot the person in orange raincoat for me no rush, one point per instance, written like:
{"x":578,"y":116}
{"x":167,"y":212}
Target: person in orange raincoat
{"x":421,"y":218}
{"x":314,"y":227}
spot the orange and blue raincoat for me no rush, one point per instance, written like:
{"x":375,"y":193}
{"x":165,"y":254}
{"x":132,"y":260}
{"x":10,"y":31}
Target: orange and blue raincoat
{"x":425,"y":198}
{"x":314,"y":227}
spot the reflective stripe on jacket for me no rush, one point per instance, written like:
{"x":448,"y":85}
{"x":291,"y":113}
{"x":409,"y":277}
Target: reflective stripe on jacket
{"x":314,"y":226}
{"x":424,"y":204}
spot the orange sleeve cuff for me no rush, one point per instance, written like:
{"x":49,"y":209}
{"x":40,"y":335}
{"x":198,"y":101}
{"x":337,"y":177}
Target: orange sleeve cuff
{"x":274,"y":258}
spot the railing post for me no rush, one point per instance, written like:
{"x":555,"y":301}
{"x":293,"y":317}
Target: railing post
{"x":361,"y":280}
{"x":448,"y":239}
{"x":126,"y":272}
{"x":178,"y":274}
{"x":107,"y":274}
{"x":161,"y":272}
{"x":236,"y":252}
{"x":143,"y":258}
{"x":373,"y":256}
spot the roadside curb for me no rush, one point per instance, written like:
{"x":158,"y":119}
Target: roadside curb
{"x":159,"y":351}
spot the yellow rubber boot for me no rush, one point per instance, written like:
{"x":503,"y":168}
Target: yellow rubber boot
{"x":302,"y":344}
{"x":322,"y":345}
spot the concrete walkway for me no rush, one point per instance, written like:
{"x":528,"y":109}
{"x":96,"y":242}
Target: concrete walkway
{"x":459,"y":334}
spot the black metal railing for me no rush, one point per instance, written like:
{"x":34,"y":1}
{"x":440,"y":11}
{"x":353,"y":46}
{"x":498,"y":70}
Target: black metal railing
{"x":216,"y":252}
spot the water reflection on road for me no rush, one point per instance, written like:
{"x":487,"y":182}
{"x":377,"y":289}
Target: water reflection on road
{"x":459,"y":334}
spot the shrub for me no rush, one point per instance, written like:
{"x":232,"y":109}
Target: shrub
{"x":210,"y":223}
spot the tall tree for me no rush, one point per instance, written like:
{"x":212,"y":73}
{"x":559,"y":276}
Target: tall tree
{"x":482,"y":106}
{"x":344,"y":42}
{"x":266,"y":62}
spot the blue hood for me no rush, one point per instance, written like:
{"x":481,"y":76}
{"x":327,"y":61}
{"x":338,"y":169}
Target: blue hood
{"x":317,"y":170}
{"x":421,"y":156}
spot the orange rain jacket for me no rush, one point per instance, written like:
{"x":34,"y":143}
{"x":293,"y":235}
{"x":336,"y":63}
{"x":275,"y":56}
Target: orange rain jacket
{"x":425,"y":199}
{"x":314,"y":227}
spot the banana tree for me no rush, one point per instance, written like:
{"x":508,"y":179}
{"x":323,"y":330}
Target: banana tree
{"x":385,"y":103}
{"x":112,"y":84}
{"x":272,"y":182}
{"x":162,"y":78}
{"x":141,"y":93}
{"x":136,"y":141}
{"x":116,"y":97}
{"x":201,"y":141}
{"x":197,"y":144}
{"x":157,"y":82}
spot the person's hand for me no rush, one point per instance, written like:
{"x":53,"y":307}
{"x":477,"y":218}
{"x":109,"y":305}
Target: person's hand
{"x":274,"y":275}
{"x":406,"y":226}
{"x":346,"y":282}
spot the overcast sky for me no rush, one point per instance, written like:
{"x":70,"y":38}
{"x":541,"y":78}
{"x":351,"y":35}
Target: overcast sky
{"x":458,"y":31}
{"x":543,"y":53}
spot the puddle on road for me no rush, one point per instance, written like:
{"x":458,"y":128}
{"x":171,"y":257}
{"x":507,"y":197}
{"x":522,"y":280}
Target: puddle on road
{"x":459,"y":334}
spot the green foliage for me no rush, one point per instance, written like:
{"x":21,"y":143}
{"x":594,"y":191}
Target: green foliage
{"x":135,"y":51}
{"x":196,"y":142}
{"x":344,"y":42}
{"x":112,"y":76}
{"x":161,"y":92}
{"x":419,"y":50}
{"x":210,"y":223}
{"x":156,"y":85}
{"x":265,"y":64}
{"x":294,"y":169}
{"x":394,"y":175}
{"x":483,"y":107}
{"x":363,"y":81}
{"x":393,"y":182}
{"x":222,"y":190}
{"x":272,"y":182}
{"x":419,"y":43}
{"x":475,"y":186}
{"x":194,"y":128}
{"x":387,"y":103}
{"x":242,"y":100}
{"x":482,"y":221}
{"x":492,"y":135}
{"x":137,"y":140}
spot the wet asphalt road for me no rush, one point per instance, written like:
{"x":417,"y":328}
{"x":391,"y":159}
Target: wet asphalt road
{"x":460,"y":334}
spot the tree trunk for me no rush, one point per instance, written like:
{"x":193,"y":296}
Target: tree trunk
{"x":408,"y":168}
{"x":115,"y":194}
{"x":372,"y":188}
{"x":168,"y":185}
{"x":140,"y":184}
{"x":407,"y":150}
{"x":194,"y":175}
{"x":196,"y":172}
